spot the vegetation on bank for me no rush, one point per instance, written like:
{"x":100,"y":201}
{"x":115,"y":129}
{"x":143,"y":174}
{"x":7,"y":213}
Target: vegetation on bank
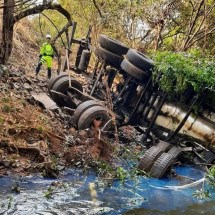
{"x":177,"y":71}
{"x":206,"y":189}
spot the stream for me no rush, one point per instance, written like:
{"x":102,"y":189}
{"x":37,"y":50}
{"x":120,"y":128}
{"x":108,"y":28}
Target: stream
{"x":78,"y":193}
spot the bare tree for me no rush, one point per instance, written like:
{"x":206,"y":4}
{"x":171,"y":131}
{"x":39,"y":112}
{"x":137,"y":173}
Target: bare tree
{"x":14,"y":11}
{"x":199,"y":26}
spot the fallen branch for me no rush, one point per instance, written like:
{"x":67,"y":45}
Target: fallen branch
{"x":52,"y":135}
{"x":40,"y":8}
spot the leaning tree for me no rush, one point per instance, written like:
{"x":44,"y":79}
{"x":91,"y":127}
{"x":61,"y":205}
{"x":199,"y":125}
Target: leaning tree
{"x":14,"y":11}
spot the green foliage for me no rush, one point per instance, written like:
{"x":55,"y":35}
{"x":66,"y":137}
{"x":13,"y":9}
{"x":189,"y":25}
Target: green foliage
{"x":1,"y":120}
{"x":108,"y":172}
{"x":134,"y":172}
{"x":5,"y":99}
{"x":44,"y":119}
{"x":6,"y":109}
{"x":9,"y":202}
{"x":128,"y":153}
{"x":201,"y":194}
{"x":122,"y":174}
{"x":211,"y":176}
{"x":105,"y":170}
{"x":49,"y":193}
{"x":40,"y":128}
{"x":176,"y":72}
{"x":136,"y":22}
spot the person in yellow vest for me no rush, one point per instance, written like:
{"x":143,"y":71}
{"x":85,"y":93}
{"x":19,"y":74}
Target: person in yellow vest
{"x":46,"y":56}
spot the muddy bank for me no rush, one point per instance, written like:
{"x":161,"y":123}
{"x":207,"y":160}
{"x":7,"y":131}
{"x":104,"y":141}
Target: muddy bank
{"x":34,"y":139}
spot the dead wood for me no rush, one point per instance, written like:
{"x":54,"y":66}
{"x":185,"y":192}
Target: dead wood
{"x":40,"y":8}
{"x":52,"y":135}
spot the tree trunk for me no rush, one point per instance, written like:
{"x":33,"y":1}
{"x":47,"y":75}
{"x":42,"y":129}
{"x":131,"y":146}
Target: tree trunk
{"x":7,"y":31}
{"x":10,"y":18}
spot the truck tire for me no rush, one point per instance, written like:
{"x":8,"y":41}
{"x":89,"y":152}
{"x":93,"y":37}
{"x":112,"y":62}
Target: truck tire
{"x":164,"y":145}
{"x":53,"y":80}
{"x":140,"y":60}
{"x":110,"y":57}
{"x":87,"y":117}
{"x":62,"y":86}
{"x":174,"y":151}
{"x":112,"y":45}
{"x":149,"y":158}
{"x":82,"y":107}
{"x":161,"y":165}
{"x":134,"y":71}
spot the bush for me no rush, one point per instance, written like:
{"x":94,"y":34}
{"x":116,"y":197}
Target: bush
{"x":177,"y":72}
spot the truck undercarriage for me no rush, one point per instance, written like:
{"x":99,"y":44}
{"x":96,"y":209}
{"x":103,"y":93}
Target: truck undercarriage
{"x":120,"y":91}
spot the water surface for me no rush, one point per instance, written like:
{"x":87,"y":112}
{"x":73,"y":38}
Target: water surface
{"x":87,"y":194}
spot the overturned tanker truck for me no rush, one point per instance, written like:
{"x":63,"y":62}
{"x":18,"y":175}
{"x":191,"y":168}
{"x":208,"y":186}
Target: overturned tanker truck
{"x":120,"y":89}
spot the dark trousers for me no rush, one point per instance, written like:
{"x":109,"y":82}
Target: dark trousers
{"x":49,"y":72}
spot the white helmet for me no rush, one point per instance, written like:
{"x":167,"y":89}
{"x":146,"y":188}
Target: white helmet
{"x":48,"y":36}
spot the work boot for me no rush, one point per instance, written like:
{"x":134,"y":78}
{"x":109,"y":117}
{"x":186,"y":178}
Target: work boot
{"x":49,"y":73}
{"x":38,"y":68}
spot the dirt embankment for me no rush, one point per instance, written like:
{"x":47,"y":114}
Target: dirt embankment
{"x":34,"y":139}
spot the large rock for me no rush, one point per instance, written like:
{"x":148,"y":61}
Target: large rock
{"x":45,"y":101}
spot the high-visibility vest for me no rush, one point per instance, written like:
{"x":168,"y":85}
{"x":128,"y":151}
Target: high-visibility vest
{"x":46,"y":49}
